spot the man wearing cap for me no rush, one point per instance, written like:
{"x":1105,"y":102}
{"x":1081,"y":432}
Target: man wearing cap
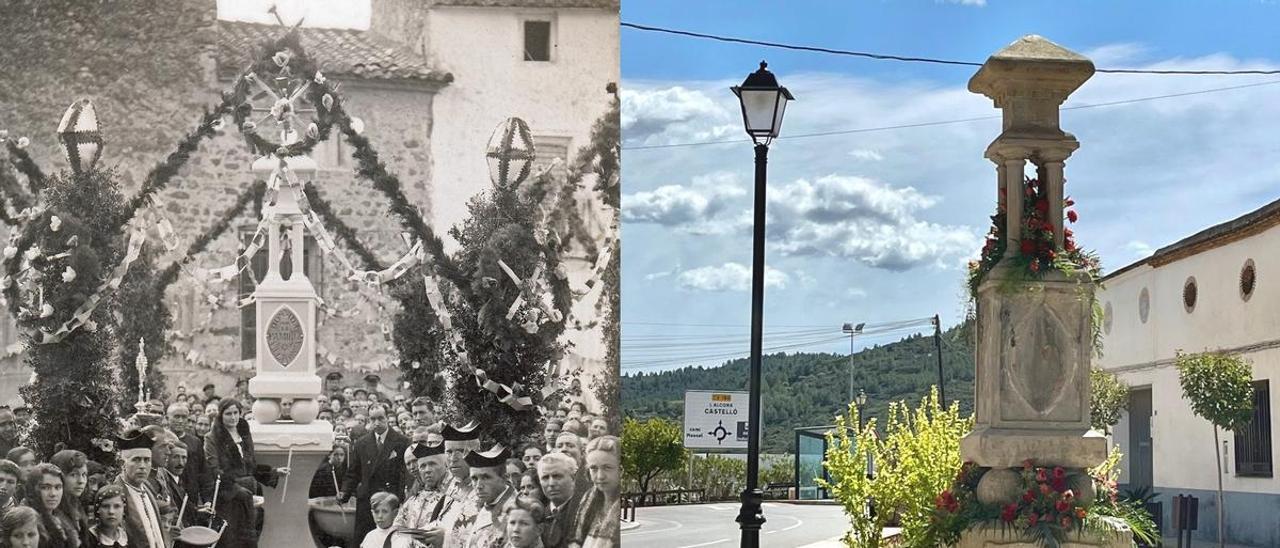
{"x":8,"y":430}
{"x":493,"y":493}
{"x":141,"y":513}
{"x":375,"y":465}
{"x":432,"y":471}
{"x":459,"y":506}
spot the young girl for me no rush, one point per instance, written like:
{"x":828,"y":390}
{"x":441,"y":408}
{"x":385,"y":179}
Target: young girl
{"x":44,"y":494}
{"x":20,"y":528}
{"x":385,"y":507}
{"x":109,"y":509}
{"x":524,"y":524}
{"x":597,"y":520}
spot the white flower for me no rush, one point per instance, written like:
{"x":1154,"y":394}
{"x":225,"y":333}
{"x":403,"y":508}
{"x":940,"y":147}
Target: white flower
{"x":313,"y":131}
{"x":10,"y":252}
{"x":68,"y":275}
{"x":90,"y":326}
{"x":327,"y":101}
{"x":216,"y":125}
{"x":55,"y":223}
{"x":32,"y":253}
{"x":281,"y":58}
{"x":46,"y":310}
{"x":23,"y":142}
{"x":320,"y":79}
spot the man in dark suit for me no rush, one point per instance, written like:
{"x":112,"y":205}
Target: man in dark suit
{"x":142,"y":523}
{"x":196,"y":481}
{"x":557,"y":473}
{"x":376,"y":464}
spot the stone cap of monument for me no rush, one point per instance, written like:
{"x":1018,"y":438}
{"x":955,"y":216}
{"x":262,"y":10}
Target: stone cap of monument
{"x":1032,"y":64}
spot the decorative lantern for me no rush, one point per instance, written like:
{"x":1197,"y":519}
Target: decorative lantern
{"x":81,"y":139}
{"x":510,"y":153}
{"x":763,"y":103}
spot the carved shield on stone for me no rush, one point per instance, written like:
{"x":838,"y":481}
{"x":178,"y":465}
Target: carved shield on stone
{"x":1043,"y":358}
{"x":284,"y":336}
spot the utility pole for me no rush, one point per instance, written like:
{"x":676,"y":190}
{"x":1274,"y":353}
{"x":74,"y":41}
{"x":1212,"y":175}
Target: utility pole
{"x":937,"y":345}
{"x":851,"y":330}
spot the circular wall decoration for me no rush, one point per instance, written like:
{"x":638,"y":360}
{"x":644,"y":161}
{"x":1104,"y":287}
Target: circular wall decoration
{"x":284,"y":336}
{"x":1106,"y":318}
{"x":1144,"y":305}
{"x":1248,"y":277}
{"x":1189,"y":294}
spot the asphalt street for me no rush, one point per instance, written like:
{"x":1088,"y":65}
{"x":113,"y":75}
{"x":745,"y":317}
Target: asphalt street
{"x":696,"y":526}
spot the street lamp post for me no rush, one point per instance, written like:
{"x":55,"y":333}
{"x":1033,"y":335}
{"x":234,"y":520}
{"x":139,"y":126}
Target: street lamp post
{"x":763,"y":103}
{"x":851,"y":330}
{"x":862,"y":408}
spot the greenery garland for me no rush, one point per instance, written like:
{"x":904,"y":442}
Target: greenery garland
{"x":10,"y":188}
{"x":170,"y":274}
{"x":21,"y":159}
{"x":340,"y":227}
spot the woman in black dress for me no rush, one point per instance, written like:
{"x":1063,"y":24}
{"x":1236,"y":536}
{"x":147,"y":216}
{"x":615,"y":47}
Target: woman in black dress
{"x":228,"y":451}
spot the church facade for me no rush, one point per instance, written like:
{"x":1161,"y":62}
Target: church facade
{"x":428,"y":110}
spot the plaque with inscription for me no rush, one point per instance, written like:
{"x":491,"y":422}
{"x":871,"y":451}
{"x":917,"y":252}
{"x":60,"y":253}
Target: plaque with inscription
{"x":284,"y":336}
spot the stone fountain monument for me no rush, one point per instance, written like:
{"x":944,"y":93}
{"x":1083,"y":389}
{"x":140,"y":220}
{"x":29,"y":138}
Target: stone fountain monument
{"x":286,"y":357}
{"x":1034,"y":337}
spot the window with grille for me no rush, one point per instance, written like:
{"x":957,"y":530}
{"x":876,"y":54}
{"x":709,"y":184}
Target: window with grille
{"x":312,"y":267}
{"x":537,"y":41}
{"x":1253,"y":442}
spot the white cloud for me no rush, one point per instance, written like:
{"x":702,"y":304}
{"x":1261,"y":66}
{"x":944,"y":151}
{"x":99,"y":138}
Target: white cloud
{"x":1139,"y":249}
{"x":1112,"y":55}
{"x":866,"y":154}
{"x":975,"y":3}
{"x":864,"y":220}
{"x":728,"y":277}
{"x":679,"y":205}
{"x":674,"y":115}
{"x":856,"y":292}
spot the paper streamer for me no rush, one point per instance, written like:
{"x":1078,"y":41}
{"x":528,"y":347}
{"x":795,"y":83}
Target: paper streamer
{"x":81,"y":315}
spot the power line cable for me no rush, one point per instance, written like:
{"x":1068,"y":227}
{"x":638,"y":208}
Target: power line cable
{"x":888,"y":57}
{"x":649,"y":362}
{"x":948,"y":122}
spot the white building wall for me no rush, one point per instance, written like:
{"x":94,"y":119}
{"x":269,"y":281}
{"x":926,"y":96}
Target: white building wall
{"x":483,"y":47}
{"x":1142,"y":354}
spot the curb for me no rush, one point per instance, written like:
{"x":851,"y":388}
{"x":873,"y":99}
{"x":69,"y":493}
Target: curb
{"x":629,"y":525}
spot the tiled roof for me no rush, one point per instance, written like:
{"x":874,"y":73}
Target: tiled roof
{"x":595,"y":4}
{"x":339,"y":52}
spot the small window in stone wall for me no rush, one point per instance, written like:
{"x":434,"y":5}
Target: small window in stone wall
{"x":1248,"y":277}
{"x":1106,"y":319}
{"x":537,"y":41}
{"x":1189,"y":294}
{"x":1144,"y":305}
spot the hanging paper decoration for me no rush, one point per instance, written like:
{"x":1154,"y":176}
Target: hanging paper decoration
{"x":81,"y":139}
{"x":510,"y":153}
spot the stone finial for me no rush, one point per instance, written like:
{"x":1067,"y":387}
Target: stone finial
{"x":1029,"y":79}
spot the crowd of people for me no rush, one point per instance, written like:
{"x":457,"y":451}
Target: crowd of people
{"x":187,"y":466}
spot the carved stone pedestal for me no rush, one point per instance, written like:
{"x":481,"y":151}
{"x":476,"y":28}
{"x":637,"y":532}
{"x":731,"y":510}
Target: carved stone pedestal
{"x":285,"y":523}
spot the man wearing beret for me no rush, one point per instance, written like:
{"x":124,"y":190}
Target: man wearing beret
{"x":142,"y":522}
{"x":488,"y":475}
{"x":416,"y":512}
{"x":458,"y":506}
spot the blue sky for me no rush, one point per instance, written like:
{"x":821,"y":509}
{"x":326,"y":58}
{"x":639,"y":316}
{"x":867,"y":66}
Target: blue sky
{"x":876,"y":226}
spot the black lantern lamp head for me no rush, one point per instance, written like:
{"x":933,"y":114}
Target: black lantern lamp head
{"x":763,"y":103}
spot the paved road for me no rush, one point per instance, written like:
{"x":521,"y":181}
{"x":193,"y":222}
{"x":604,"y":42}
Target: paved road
{"x":696,"y":526}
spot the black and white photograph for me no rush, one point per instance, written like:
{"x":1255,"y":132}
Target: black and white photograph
{"x":294,"y":273}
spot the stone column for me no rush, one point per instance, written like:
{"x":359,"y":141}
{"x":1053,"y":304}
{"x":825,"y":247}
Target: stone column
{"x":1034,"y":336}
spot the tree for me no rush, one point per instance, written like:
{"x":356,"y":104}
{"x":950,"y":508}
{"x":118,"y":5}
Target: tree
{"x":1220,"y":389}
{"x":1108,"y":396}
{"x":143,"y":315}
{"x":650,"y":448}
{"x":64,"y":253}
{"x":916,"y":459}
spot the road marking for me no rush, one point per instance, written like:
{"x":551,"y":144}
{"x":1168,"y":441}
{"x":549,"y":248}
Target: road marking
{"x":638,"y":532}
{"x":717,"y":541}
{"x":797,"y":524}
